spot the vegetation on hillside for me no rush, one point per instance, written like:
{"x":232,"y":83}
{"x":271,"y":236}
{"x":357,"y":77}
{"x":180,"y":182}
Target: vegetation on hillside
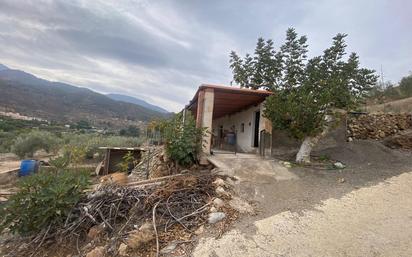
{"x":306,"y":91}
{"x":386,"y":92}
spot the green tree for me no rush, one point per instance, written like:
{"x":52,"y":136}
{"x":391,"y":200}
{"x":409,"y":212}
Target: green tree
{"x":307,"y":93}
{"x":406,"y":86}
{"x":131,"y":131}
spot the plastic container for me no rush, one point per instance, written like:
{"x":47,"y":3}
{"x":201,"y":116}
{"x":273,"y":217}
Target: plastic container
{"x":28,"y":167}
{"x":231,"y":138}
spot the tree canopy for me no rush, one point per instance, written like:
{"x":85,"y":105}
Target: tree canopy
{"x":305,"y":90}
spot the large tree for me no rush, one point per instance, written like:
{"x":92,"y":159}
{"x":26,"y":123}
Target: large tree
{"x":306,"y":93}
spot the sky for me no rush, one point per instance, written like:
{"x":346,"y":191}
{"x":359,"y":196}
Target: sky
{"x":161,"y":51}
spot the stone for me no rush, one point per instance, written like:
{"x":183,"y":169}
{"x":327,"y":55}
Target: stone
{"x":339,"y":165}
{"x":169,"y":248}
{"x":200,"y":230}
{"x":342,"y":180}
{"x":96,"y":252}
{"x":287,"y":164}
{"x":138,"y":238}
{"x":213,"y":209}
{"x":122,"y":250}
{"x":218,"y":202}
{"x":95,"y":231}
{"x":221,"y":191}
{"x":219,"y":182}
{"x":215,"y":217}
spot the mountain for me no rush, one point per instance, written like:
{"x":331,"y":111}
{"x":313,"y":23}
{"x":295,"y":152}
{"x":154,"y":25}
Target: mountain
{"x":28,"y":95}
{"x":3,"y":67}
{"x":137,"y":101}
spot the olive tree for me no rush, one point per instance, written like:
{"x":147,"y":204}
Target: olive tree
{"x":306,"y":92}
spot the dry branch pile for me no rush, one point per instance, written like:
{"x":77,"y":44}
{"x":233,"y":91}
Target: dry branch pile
{"x":132,"y":217}
{"x":378,"y":125}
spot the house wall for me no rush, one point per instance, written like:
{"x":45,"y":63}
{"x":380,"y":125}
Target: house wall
{"x":245,"y":139}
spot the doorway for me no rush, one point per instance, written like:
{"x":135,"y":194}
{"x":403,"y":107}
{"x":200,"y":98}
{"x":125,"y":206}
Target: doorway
{"x":256,"y":130}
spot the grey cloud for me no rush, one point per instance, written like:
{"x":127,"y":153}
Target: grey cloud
{"x":162,"y":50}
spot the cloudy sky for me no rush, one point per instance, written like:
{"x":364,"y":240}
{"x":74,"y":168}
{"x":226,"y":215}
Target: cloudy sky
{"x":161,"y":51}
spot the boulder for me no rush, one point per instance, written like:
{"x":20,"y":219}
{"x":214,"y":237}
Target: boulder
{"x":96,"y":252}
{"x":215,"y":217}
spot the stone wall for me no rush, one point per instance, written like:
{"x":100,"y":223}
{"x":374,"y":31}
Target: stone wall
{"x":377,"y":125}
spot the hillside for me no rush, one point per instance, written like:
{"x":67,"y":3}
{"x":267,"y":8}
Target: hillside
{"x":137,"y":101}
{"x":24,"y":93}
{"x":402,"y":105}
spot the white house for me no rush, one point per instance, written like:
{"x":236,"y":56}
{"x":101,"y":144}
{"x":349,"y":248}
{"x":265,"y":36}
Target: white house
{"x":233,"y":116}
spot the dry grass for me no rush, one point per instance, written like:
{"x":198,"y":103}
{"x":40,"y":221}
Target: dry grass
{"x":403,"y":105}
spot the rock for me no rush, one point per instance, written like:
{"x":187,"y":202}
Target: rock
{"x":219,"y":182}
{"x":339,"y":165}
{"x":286,"y":164}
{"x":122,"y":250}
{"x":350,"y":139}
{"x":241,"y":205}
{"x":200,"y":230}
{"x":138,"y":238}
{"x":342,"y":180}
{"x":218,"y":202}
{"x":169,"y":248}
{"x":215,"y":217}
{"x":221,"y":191}
{"x":95,"y":231}
{"x":96,"y":252}
{"x":213,"y":209}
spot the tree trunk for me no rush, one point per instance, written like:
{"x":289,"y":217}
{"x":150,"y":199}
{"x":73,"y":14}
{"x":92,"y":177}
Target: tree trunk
{"x":303,"y":156}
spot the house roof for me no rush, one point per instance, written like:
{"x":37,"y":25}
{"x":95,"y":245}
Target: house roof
{"x":229,"y":100}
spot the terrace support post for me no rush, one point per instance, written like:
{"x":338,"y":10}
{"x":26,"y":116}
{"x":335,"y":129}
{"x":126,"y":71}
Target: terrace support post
{"x":204,"y":119}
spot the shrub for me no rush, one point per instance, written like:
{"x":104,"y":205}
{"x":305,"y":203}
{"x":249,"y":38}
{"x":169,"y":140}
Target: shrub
{"x":91,"y":142}
{"x":26,"y":145}
{"x":183,"y":142}
{"x":44,"y":199}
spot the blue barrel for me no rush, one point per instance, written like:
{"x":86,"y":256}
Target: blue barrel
{"x":28,"y":167}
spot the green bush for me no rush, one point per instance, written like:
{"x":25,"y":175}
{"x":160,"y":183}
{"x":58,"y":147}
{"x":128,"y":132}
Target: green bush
{"x":91,"y":142}
{"x":6,"y":141}
{"x":183,"y":142}
{"x":44,"y":199}
{"x":27,"y":144}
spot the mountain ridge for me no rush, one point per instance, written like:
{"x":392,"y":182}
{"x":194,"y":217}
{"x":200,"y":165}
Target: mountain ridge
{"x":25,"y":93}
{"x":137,"y":101}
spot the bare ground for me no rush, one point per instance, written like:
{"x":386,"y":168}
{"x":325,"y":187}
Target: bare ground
{"x":363,"y":210}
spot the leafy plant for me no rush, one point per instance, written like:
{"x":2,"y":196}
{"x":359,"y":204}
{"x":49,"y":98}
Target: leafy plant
{"x":128,"y":162}
{"x":60,"y":162}
{"x":183,"y":140}
{"x":27,"y":144}
{"x":44,"y":199}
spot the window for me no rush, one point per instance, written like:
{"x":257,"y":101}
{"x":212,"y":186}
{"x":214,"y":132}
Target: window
{"x":242,"y":127}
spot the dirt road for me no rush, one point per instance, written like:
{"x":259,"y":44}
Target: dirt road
{"x":374,"y":220}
